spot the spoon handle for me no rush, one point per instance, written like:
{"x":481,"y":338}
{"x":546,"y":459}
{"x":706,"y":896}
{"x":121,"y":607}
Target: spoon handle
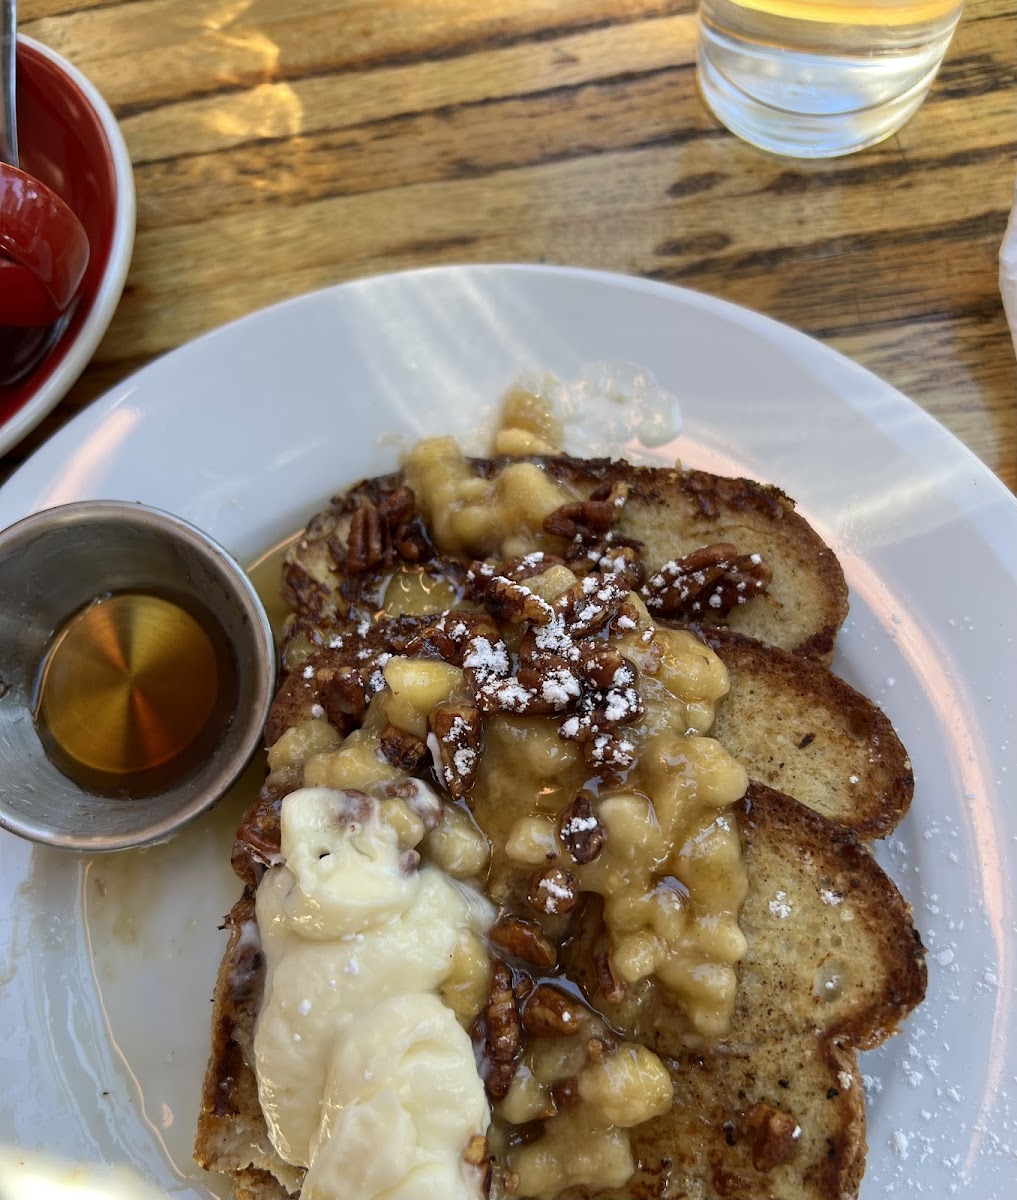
{"x":8,"y":82}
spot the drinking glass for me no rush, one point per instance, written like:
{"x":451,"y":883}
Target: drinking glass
{"x":818,"y":78}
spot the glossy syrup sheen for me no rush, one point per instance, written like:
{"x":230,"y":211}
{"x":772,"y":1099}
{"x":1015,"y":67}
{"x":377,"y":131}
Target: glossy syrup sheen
{"x":133,"y":692}
{"x":266,"y":575}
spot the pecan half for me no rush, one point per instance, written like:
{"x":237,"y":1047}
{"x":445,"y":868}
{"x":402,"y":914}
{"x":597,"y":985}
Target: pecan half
{"x":611,"y":987}
{"x":587,"y":519}
{"x":431,"y":643}
{"x":468,"y":630}
{"x":451,"y":637}
{"x":367,"y":541}
{"x":593,"y":516}
{"x":553,"y":891}
{"x":773,"y":1135}
{"x":625,"y":621}
{"x":580,"y":831}
{"x":565,"y":1093}
{"x":553,"y":685}
{"x":529,"y":565}
{"x":403,"y":750}
{"x":379,"y":534}
{"x":604,"y":712}
{"x":514,"y":603}
{"x":504,"y":1038}
{"x":550,"y":1013}
{"x":603,"y":665}
{"x":412,"y":543}
{"x":459,"y":732}
{"x":525,"y":940}
{"x":591,"y":603}
{"x":398,"y":506}
{"x":342,"y":691}
{"x":608,"y":755}
{"x":709,"y":581}
{"x":610,"y":554}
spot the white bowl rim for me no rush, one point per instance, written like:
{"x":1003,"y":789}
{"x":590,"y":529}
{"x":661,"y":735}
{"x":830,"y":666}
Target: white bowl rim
{"x":111,"y":285}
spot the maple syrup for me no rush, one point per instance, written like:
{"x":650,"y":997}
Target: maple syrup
{"x":133,"y":693}
{"x":266,"y":575}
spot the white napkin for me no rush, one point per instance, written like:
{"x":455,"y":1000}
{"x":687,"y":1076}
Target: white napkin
{"x":1008,"y":269}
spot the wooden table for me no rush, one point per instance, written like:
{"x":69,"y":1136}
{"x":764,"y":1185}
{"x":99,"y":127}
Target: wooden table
{"x":283,"y":145}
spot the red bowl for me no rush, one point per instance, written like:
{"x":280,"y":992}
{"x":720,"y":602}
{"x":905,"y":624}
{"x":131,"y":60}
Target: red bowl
{"x":69,"y":139}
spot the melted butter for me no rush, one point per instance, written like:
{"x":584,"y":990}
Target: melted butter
{"x":364,"y":1076}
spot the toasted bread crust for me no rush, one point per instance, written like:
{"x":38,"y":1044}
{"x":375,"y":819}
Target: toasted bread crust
{"x":819,"y":909}
{"x":846,"y":916}
{"x":799,"y":728}
{"x":232,"y":1136}
{"x":706,"y":1146}
{"x":672,"y":512}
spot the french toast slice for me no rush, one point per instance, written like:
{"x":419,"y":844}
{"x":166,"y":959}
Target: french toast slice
{"x":801,"y":729}
{"x":671,"y":512}
{"x":831,"y":944}
{"x":792,"y":723}
{"x":232,"y":1137}
{"x":788,"y":1061}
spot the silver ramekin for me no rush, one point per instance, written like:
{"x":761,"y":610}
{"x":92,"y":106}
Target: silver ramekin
{"x":54,"y":563}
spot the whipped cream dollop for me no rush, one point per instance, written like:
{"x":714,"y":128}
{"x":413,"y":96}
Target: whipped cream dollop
{"x":365,"y":1076}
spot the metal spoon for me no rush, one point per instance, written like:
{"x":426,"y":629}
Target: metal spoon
{"x":8,"y":82}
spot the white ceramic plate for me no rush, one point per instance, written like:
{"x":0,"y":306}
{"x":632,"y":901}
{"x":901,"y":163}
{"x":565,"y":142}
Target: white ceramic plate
{"x":106,"y":966}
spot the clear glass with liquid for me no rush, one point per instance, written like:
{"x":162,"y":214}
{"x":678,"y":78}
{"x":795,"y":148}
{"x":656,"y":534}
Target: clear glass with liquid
{"x":819,"y":78}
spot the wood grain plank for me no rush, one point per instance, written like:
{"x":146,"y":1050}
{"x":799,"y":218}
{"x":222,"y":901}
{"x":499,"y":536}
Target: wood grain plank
{"x":575,"y":123}
{"x":341,"y":100}
{"x":607,"y":209}
{"x":961,"y":371}
{"x":285,"y":146}
{"x":154,"y":50}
